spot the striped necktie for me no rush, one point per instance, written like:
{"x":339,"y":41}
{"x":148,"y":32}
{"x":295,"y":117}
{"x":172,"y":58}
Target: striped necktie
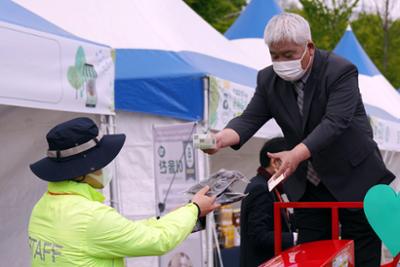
{"x":312,"y":175}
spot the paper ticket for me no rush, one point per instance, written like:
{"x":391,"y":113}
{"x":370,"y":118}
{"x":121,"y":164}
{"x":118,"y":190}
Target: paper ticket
{"x":272,"y":183}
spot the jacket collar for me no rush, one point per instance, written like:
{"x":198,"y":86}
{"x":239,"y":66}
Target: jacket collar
{"x":75,"y":188}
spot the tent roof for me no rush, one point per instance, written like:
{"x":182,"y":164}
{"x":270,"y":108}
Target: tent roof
{"x":13,"y":13}
{"x":350,"y":48}
{"x":252,"y":21}
{"x":139,"y":24}
{"x":164,"y":49}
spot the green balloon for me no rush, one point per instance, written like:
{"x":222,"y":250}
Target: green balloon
{"x":382,"y":208}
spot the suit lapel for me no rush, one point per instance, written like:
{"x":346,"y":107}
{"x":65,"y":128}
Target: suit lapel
{"x":289,"y":102}
{"x":311,"y":86}
{"x":309,"y":90}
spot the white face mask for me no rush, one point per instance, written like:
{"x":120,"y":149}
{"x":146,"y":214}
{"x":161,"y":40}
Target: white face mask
{"x":102,"y":178}
{"x":290,"y":70}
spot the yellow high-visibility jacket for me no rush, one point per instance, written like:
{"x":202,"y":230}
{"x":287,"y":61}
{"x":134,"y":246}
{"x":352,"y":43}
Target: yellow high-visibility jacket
{"x":70,"y":227}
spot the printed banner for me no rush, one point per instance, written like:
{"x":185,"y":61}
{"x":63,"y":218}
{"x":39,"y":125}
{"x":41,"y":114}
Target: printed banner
{"x":176,"y":169}
{"x":175,"y":163}
{"x":386,"y":133}
{"x":42,"y":70}
{"x":228,"y":100}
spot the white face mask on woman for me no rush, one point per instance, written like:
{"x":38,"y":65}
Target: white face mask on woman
{"x":290,"y":70}
{"x":100,"y":178}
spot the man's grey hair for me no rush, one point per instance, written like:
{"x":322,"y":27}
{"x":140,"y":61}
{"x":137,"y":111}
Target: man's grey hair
{"x":287,"y":27}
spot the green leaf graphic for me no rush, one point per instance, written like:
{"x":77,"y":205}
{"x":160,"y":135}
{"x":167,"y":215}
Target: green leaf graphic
{"x":80,"y":59}
{"x":74,"y":79}
{"x":214,"y":101}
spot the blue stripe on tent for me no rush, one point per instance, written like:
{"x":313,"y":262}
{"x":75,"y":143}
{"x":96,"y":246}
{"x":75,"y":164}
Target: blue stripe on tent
{"x":252,"y":21}
{"x":349,"y":48}
{"x":176,"y":97}
{"x":170,"y":83}
{"x":158,"y":82}
{"x":13,"y":13}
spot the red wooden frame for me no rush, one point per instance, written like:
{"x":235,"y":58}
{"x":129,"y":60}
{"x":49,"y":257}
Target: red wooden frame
{"x":334,"y":206}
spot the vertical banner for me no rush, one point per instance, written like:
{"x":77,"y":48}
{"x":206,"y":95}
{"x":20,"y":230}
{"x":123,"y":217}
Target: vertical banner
{"x":175,"y":163}
{"x":175,"y":170}
{"x":228,"y":100}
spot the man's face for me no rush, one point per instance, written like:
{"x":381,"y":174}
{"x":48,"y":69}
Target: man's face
{"x":288,"y":50}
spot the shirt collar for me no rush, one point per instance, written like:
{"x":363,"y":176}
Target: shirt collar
{"x":72,"y":187}
{"x":305,"y":76}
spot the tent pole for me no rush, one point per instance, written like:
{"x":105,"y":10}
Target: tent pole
{"x":209,"y":219}
{"x":109,"y":122}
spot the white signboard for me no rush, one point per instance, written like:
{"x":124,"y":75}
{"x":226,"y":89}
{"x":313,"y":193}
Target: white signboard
{"x":42,"y":70}
{"x":228,"y":100}
{"x":176,"y":169}
{"x":386,"y":133}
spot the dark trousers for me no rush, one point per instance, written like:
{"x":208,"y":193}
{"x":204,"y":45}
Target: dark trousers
{"x":315,"y":224}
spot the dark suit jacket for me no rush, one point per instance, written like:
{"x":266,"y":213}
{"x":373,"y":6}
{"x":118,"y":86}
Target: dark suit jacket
{"x":334,"y":127}
{"x":257,"y":225}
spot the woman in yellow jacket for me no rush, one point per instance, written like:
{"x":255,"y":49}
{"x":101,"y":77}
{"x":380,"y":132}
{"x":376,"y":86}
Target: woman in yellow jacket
{"x":70,"y":226}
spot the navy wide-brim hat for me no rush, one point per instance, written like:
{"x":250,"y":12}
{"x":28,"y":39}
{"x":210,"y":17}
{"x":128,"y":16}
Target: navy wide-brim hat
{"x":75,"y":149}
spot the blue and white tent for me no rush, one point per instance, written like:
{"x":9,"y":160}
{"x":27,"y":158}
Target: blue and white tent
{"x":252,"y":21}
{"x":380,"y":98}
{"x":36,"y":94}
{"x":161,"y":60}
{"x":247,"y":32}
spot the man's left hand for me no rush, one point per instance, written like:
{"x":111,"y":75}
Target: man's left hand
{"x":290,"y":160}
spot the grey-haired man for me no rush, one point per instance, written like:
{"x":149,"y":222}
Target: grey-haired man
{"x":314,"y":97}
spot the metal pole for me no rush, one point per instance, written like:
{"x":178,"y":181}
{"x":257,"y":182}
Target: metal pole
{"x":114,"y":196}
{"x":209,"y":219}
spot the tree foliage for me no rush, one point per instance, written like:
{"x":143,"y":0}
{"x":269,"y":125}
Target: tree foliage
{"x":368,"y":29}
{"x":219,"y":13}
{"x":328,"y":20}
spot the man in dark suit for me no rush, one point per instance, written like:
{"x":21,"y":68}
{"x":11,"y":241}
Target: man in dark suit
{"x":257,"y":212}
{"x":314,"y":97}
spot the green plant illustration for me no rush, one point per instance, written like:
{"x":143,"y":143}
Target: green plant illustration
{"x":214,"y":101}
{"x":75,"y":73}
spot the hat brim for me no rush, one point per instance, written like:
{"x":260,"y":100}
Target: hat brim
{"x":54,"y":170}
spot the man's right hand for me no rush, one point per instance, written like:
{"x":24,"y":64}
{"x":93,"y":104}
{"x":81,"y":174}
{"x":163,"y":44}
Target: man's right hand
{"x":224,"y":138}
{"x":205,"y":203}
{"x":218,"y":144}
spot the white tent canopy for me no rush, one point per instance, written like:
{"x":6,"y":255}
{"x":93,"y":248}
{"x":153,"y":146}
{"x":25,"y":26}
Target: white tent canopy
{"x":159,"y":24}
